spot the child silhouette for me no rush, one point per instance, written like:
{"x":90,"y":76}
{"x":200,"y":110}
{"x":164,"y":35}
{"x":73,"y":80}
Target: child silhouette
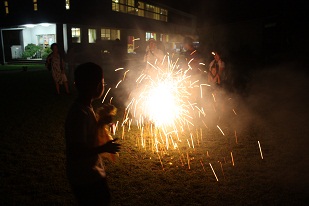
{"x":85,"y":171}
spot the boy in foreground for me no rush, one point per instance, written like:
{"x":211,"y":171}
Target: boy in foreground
{"x":85,"y":171}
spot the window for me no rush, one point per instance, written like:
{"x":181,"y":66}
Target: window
{"x":67,"y":4}
{"x":130,"y":46}
{"x":110,"y":34}
{"x":6,"y":6}
{"x":150,"y":35}
{"x":76,"y":34}
{"x":140,"y":9}
{"x":35,"y":5}
{"x":164,"y":37}
{"x":92,"y":35}
{"x":105,"y":34}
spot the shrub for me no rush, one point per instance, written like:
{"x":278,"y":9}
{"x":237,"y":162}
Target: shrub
{"x":46,"y":52}
{"x":30,"y":50}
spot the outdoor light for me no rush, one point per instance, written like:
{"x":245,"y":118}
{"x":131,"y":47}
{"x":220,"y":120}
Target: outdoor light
{"x":29,"y":25}
{"x":45,"y":24}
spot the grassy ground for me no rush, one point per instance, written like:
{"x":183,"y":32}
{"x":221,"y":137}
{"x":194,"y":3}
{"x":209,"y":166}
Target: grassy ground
{"x":32,"y":151}
{"x":21,"y":67}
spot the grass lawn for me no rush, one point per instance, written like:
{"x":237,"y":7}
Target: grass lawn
{"x":21,"y":67}
{"x":32,"y":151}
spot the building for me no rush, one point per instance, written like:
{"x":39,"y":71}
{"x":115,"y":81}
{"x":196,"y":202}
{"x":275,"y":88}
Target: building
{"x":89,"y":25}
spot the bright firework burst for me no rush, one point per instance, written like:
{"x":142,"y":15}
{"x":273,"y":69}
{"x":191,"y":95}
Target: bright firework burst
{"x":164,"y":103}
{"x":171,"y":107}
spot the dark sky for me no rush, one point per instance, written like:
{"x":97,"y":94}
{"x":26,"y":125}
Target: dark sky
{"x":226,"y":11}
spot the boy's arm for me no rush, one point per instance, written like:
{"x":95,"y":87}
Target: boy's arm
{"x":84,"y":152}
{"x":77,"y":139}
{"x":109,"y":147}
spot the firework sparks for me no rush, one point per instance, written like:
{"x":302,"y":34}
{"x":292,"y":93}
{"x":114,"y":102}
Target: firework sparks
{"x":169,"y":107}
{"x":162,"y":98}
{"x":234,"y":112}
{"x":220,"y":130}
{"x":106,"y":95}
{"x":222,"y":169}
{"x":260,"y":150}
{"x":118,"y":83}
{"x":232,"y":159}
{"x":202,"y":165}
{"x":118,"y":69}
{"x":213,"y":171}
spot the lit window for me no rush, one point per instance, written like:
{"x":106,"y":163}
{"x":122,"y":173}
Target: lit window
{"x":35,"y":5}
{"x":6,"y":6}
{"x":140,"y":9}
{"x":130,"y":2}
{"x":115,"y":34}
{"x":76,"y":34}
{"x":110,"y":34}
{"x":130,"y":46}
{"x":92,"y":35}
{"x":67,"y":4}
{"x":150,"y":35}
{"x":115,"y":6}
{"x":105,"y":34}
{"x":164,"y":37}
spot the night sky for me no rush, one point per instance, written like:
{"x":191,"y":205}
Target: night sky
{"x":227,"y":11}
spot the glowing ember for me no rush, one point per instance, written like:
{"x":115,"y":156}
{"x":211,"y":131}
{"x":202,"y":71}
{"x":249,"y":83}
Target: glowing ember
{"x":106,"y":95}
{"x":232,"y":159}
{"x":220,"y":130}
{"x":213,"y":171}
{"x":260,"y":150}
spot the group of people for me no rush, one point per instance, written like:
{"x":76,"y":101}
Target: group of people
{"x":154,"y":54}
{"x":216,"y":70}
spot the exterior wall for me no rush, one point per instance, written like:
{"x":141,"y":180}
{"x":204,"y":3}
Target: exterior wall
{"x":95,"y":14}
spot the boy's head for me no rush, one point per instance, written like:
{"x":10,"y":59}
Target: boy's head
{"x":89,"y":80}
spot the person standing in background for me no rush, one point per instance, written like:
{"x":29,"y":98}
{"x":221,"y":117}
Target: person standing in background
{"x":55,"y":64}
{"x":153,"y":54}
{"x":218,"y":64}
